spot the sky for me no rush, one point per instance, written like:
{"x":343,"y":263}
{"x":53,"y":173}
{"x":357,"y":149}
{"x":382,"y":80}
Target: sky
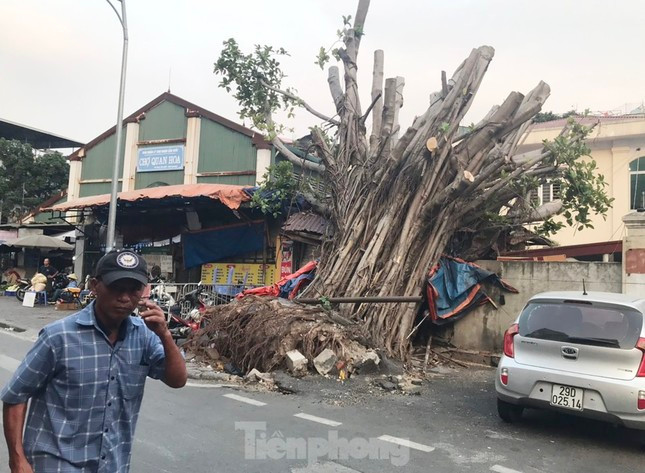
{"x":60,"y":59}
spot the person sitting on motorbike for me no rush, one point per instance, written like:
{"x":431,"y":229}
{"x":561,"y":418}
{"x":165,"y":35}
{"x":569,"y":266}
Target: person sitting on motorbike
{"x":49,"y":271}
{"x":73,"y":283}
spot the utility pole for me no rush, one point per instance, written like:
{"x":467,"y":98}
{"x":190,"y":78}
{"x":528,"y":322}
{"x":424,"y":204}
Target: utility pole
{"x":111,"y":230}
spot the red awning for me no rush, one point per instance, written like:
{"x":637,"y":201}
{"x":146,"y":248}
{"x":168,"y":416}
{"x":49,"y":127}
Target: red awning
{"x":229,"y":195}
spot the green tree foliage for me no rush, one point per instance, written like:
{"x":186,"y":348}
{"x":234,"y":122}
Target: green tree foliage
{"x":248,"y":77}
{"x":28,"y":178}
{"x":276,"y":189}
{"x":255,"y":80}
{"x":541,"y":117}
{"x":582,"y":187}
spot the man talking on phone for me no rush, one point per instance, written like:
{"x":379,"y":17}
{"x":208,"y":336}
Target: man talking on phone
{"x":85,"y":377}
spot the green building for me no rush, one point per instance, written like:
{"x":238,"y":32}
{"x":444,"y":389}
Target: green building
{"x":170,"y":148}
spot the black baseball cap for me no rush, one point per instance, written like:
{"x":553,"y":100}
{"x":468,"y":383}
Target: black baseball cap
{"x":122,"y":264}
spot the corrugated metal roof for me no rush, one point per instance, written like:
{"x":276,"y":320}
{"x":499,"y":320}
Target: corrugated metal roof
{"x":307,"y":222}
{"x":229,"y":195}
{"x":36,"y":138}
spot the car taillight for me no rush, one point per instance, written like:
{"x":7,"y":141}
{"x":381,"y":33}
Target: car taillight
{"x":503,"y":376}
{"x":509,"y":349}
{"x":641,"y":400}
{"x":640,"y":344}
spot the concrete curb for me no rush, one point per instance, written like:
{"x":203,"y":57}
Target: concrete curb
{"x":206,"y":373}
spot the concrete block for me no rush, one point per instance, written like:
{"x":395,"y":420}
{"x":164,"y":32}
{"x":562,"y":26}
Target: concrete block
{"x":325,"y":362}
{"x":296,"y":363}
{"x":255,"y":376}
{"x":368,"y":364}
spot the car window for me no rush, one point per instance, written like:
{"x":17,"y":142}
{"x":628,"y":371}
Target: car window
{"x":592,"y":324}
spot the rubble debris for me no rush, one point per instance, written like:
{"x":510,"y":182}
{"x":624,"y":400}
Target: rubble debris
{"x":284,"y":383}
{"x":341,"y":369}
{"x":296,"y":363}
{"x":201,"y":371}
{"x":258,"y":332}
{"x":400,"y":384}
{"x":387,"y":385}
{"x":440,"y":369}
{"x":212,"y":353}
{"x":368,"y":364}
{"x":256,"y":376}
{"x":325,"y":362}
{"x":232,"y":369}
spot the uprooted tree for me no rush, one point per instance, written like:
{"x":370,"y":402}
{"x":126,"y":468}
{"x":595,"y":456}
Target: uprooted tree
{"x":398,"y":201}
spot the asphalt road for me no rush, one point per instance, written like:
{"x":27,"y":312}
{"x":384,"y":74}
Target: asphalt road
{"x":326,"y":427}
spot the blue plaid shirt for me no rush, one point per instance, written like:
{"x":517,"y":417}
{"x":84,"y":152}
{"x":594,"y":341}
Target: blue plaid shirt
{"x":85,"y":393}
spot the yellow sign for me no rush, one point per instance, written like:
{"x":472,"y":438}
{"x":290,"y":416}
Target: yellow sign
{"x":239,"y":273}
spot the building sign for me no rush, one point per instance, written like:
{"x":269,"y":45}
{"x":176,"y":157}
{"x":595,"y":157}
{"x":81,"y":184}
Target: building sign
{"x":238,"y":273}
{"x":160,"y":158}
{"x":286,"y":264}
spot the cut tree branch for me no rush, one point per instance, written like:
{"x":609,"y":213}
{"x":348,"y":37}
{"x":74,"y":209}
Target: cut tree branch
{"x":277,"y":142}
{"x":377,"y":98}
{"x":335,"y":88}
{"x":301,"y":102}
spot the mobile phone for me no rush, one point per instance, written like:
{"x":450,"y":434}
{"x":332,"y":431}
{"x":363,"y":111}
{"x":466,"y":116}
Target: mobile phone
{"x":141,"y":307}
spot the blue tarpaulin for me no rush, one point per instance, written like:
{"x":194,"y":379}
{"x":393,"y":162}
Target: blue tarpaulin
{"x":454,"y":288}
{"x":216,"y":244}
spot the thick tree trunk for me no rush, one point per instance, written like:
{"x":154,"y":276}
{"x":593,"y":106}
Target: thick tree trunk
{"x":398,"y":201}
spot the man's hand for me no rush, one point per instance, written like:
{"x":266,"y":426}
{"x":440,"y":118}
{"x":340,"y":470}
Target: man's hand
{"x":13,"y":416}
{"x":20,"y":465}
{"x":175,"y":374}
{"x":154,"y":318}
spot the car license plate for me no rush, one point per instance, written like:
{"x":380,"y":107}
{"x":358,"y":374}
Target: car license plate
{"x":567,"y":397}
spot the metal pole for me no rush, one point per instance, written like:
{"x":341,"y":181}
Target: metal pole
{"x":360,"y":300}
{"x":111,"y":230}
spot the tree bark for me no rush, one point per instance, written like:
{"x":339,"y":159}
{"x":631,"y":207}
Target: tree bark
{"x":399,"y":201}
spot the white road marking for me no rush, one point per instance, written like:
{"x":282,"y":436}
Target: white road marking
{"x":218,"y":385}
{"x":247,"y":400}
{"x":8,"y":363}
{"x":320,"y":420}
{"x":503,"y":469}
{"x":326,"y":467}
{"x":406,"y":443}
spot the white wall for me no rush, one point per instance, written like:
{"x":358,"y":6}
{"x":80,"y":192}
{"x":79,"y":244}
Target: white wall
{"x":483,"y":328}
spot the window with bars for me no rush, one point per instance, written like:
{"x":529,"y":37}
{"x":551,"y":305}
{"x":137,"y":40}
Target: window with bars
{"x":637,"y":183}
{"x":545,"y":193}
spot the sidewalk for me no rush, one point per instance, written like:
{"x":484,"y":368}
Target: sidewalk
{"x":27,"y":320}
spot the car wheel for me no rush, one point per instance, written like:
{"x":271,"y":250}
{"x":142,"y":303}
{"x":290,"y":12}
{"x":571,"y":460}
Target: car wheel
{"x":509,"y":412}
{"x":640,"y":436}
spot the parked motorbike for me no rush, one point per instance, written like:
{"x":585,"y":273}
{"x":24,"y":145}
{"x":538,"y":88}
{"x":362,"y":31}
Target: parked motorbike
{"x":59,"y":281}
{"x":180,"y":328}
{"x":160,"y":296}
{"x":193,"y":303}
{"x":23,"y":286}
{"x":87,"y":295}
{"x":185,"y":316}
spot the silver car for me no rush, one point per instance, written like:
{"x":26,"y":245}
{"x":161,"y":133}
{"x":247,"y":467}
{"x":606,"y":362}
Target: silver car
{"x":579,"y":353}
